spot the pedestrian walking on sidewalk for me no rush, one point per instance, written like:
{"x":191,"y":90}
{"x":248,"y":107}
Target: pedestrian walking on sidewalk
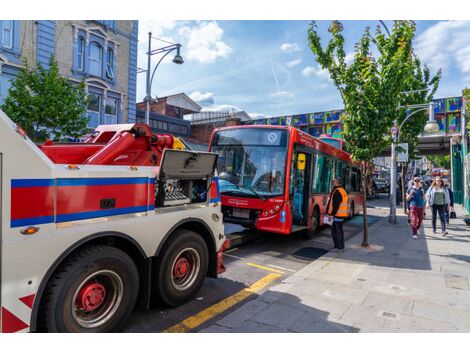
{"x":416,"y":200}
{"x":338,"y":207}
{"x":437,"y":197}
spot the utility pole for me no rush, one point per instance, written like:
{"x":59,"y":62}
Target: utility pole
{"x":147,"y":88}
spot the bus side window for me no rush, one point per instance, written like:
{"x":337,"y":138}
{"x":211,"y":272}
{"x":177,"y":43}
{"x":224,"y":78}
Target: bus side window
{"x":318,"y":175}
{"x":327,"y":175}
{"x":314,"y":172}
{"x":355,"y":180}
{"x":347,"y":178}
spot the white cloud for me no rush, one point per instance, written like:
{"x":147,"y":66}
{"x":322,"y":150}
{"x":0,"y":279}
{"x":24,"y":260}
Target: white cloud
{"x":204,"y":42}
{"x":310,"y":71}
{"x":293,"y":63}
{"x":349,"y":58}
{"x":290,"y":47}
{"x":203,"y":98}
{"x":282,"y":95}
{"x":256,"y":116}
{"x":446,"y":45}
{"x":223,"y":107}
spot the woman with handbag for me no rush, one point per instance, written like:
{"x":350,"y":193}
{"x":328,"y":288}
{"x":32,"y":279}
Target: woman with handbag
{"x":437,"y":197}
{"x":416,"y":201}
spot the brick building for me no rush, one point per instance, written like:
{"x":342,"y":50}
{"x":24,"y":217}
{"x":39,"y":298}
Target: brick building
{"x":102,"y":53}
{"x":176,"y":105}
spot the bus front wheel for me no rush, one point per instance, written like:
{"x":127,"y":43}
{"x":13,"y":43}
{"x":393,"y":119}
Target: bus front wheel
{"x":315,"y":224}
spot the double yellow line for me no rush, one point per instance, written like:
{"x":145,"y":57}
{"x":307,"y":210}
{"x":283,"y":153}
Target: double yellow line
{"x":211,"y":312}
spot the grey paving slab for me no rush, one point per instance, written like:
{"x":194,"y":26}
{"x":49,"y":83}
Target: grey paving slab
{"x":215,"y":329}
{"x":279,"y":314}
{"x":364,"y":319}
{"x":244,"y":313}
{"x":391,"y":303}
{"x":457,"y":281}
{"x":331,"y":306}
{"x":316,"y":323}
{"x":458,"y":299}
{"x":442,"y":313}
{"x":255,"y":327}
{"x":345,"y":293}
{"x":411,"y":324}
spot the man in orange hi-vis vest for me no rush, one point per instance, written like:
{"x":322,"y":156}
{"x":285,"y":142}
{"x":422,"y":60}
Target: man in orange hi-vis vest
{"x":338,"y":208}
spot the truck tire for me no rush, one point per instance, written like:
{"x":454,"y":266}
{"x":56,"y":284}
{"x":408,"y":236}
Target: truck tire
{"x":182,"y":267}
{"x":94,"y":290}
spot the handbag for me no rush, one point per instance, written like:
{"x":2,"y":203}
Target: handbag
{"x":453,"y":215}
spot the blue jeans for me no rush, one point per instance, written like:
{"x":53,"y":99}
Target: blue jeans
{"x":441,"y":209}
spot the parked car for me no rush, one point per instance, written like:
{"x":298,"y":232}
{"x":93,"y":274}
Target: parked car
{"x":382,"y":185}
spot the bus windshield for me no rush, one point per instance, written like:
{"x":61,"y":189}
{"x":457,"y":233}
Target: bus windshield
{"x":252,"y":161}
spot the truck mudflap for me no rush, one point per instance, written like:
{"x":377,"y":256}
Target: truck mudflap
{"x":220,"y":261}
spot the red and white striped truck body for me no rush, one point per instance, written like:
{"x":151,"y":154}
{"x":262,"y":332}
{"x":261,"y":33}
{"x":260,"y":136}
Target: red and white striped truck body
{"x":52,"y":211}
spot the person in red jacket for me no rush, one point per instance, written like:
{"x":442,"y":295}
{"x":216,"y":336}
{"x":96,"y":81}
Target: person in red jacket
{"x":338,"y":208}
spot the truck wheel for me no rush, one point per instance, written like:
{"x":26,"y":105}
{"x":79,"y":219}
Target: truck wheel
{"x":95,"y":290}
{"x":182,"y":268}
{"x":315,"y":224}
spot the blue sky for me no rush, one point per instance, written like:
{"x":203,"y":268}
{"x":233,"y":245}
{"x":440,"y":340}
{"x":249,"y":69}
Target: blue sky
{"x":267,"y":69}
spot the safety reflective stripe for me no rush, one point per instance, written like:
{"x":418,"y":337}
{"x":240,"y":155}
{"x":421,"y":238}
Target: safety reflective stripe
{"x":343,"y":210}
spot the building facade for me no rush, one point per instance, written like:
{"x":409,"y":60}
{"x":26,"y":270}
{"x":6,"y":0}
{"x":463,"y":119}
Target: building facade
{"x":448,"y":115}
{"x":176,"y":105}
{"x":102,"y":53}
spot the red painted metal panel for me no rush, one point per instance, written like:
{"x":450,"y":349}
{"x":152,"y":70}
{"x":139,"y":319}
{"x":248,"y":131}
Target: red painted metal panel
{"x":32,"y":202}
{"x":79,"y":199}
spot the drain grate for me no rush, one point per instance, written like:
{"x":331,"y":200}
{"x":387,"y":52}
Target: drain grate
{"x":309,"y":253}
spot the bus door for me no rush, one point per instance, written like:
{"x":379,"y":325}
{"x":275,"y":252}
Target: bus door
{"x":299,"y":186}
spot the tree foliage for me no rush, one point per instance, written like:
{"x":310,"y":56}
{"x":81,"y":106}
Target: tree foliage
{"x":418,"y":79}
{"x":47,"y":105}
{"x":370,"y":86}
{"x":442,"y":161}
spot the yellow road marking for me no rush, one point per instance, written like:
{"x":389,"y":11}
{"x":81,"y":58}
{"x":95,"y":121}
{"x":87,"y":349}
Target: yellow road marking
{"x":265,"y":268}
{"x":209,"y":313}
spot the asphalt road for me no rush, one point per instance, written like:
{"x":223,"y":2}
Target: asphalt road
{"x":253,"y":265}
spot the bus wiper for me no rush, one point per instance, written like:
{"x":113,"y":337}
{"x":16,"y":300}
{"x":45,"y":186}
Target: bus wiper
{"x":259,"y":195}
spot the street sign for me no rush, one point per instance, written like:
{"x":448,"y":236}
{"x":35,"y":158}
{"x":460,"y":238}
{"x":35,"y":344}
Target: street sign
{"x":402,"y":152}
{"x":394,"y":131}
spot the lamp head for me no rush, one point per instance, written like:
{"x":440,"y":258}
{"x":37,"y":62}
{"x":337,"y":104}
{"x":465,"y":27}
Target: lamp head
{"x":431,"y":126}
{"x":178,"y":59}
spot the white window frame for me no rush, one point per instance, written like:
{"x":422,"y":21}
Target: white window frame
{"x":110,"y":63}
{"x":81,"y":53}
{"x":7,"y":29}
{"x":93,"y":60}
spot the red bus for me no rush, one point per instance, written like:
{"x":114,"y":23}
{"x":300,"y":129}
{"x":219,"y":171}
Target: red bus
{"x":278,"y":178}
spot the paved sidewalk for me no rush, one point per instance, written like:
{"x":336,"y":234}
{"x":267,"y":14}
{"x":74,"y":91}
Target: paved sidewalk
{"x":398,"y":285}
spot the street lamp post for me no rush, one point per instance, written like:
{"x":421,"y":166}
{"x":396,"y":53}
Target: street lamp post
{"x":178,"y":59}
{"x":430,"y":127}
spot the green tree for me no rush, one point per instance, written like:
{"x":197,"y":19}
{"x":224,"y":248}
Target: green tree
{"x":45,"y":104}
{"x":442,"y":161}
{"x":423,"y":87}
{"x":369,"y":87}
